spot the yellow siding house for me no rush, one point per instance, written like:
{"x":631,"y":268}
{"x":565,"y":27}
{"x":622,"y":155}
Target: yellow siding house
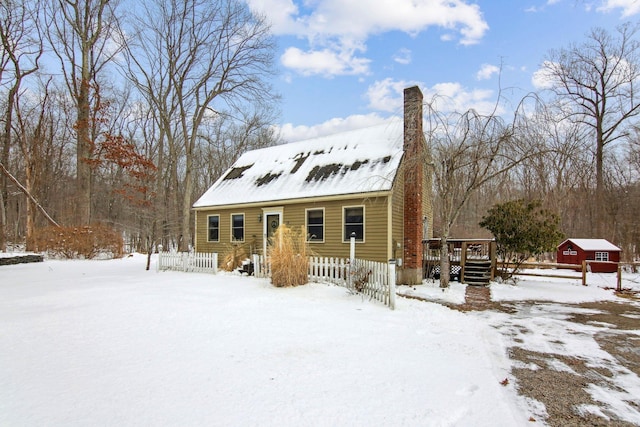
{"x":332,"y":187}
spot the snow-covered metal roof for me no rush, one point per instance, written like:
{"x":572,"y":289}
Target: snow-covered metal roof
{"x":593,"y":244}
{"x":359,"y":161}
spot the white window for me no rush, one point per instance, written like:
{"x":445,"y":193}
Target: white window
{"x":315,"y":225}
{"x":602,"y":256}
{"x":213,"y":225}
{"x":353,"y":220}
{"x":237,"y":227}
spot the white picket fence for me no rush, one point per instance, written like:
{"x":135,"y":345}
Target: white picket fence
{"x":332,"y":270}
{"x":193,"y":262}
{"x":377,"y":280}
{"x":261,"y":267}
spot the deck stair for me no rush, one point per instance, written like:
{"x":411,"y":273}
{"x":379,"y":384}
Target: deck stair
{"x":477,"y":272}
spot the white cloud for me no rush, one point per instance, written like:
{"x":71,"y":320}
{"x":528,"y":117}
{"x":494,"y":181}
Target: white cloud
{"x":536,"y":9}
{"x":349,"y":18}
{"x":324,"y":62}
{"x":453,"y":97}
{"x":629,"y":7}
{"x":542,"y":78}
{"x":447,"y":37}
{"x":280,"y":14}
{"x":291,"y":133}
{"x":403,"y":56}
{"x":387,"y":96}
{"x":338,"y":25}
{"x":487,"y":71}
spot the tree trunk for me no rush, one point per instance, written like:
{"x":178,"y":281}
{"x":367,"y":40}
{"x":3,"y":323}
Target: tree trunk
{"x":6,"y":145}
{"x":186,"y":199}
{"x":3,"y":197}
{"x":151,"y":240}
{"x":31,"y":212}
{"x":3,"y":216}
{"x":599,"y":202}
{"x":445,"y":265}
{"x":79,"y":30}
{"x":83,"y":155}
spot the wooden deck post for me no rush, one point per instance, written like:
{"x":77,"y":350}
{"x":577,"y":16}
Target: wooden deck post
{"x":463,"y":260}
{"x":619,"y":282}
{"x":584,"y":273}
{"x":493,"y":249}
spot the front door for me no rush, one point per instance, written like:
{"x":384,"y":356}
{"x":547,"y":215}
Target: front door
{"x":272,"y":220}
{"x":272,"y":223}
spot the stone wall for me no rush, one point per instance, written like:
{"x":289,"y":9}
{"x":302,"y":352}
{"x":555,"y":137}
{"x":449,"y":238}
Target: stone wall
{"x":20,"y":259}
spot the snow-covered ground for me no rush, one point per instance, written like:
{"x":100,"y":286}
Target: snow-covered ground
{"x":108,"y":343}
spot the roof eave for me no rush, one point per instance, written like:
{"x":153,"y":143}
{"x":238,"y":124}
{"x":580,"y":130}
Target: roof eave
{"x":366,"y":195}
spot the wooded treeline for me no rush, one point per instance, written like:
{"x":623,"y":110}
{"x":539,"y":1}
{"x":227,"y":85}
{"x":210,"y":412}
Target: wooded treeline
{"x":574,"y":146}
{"x":123,"y":114}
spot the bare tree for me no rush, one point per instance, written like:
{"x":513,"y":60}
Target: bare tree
{"x":469,"y":150}
{"x":597,"y":78}
{"x":21,"y":51}
{"x":623,"y":201}
{"x":561,"y":174}
{"x":224,"y":138}
{"x":34,"y":125}
{"x":6,"y":139}
{"x":187,"y":58}
{"x":40,"y":161}
{"x":81,"y":34}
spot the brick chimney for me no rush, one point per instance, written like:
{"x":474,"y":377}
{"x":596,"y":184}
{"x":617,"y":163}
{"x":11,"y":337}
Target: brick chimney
{"x":414,"y":180}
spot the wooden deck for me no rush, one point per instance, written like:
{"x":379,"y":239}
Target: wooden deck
{"x":472,"y":261}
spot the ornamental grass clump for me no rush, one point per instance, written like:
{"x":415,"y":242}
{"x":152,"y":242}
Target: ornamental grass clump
{"x":289,"y":257}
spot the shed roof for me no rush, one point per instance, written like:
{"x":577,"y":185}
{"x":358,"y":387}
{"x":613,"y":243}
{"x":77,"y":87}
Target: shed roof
{"x":593,"y":244}
{"x":359,"y":161}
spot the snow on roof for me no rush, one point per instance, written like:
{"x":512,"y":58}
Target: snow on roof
{"x":359,"y":161}
{"x":593,"y":244}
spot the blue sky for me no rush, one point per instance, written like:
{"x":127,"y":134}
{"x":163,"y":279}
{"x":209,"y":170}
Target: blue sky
{"x":343,"y":63}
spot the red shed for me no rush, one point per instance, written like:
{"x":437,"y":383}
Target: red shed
{"x":574,"y":251}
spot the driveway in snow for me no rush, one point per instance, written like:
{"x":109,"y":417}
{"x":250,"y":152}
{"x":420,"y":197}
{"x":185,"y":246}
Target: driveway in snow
{"x":578,"y":363}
